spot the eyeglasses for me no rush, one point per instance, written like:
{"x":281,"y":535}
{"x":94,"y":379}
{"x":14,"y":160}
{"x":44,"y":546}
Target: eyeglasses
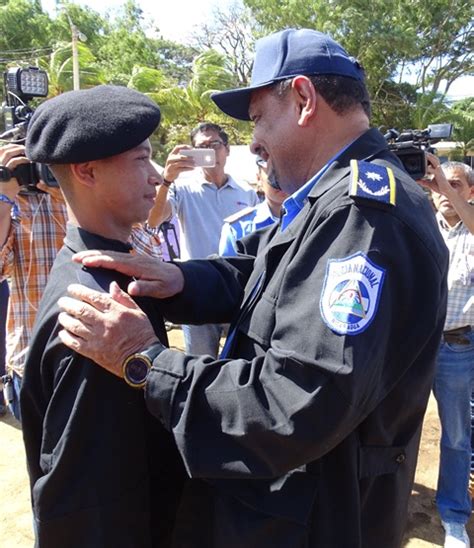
{"x":262,"y":163}
{"x":215,"y":145}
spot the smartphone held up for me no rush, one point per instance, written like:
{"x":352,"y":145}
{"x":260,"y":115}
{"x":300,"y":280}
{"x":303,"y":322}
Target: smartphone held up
{"x":203,"y":157}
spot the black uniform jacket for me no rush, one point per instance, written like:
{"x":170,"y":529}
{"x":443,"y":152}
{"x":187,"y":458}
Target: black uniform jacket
{"x":307,"y":437}
{"x":103,"y":472}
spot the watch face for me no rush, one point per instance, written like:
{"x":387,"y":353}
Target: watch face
{"x":136,"y":370}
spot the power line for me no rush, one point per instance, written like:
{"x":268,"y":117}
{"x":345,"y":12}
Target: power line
{"x":26,"y":50}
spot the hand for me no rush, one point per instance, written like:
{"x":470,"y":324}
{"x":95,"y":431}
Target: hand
{"x":176,"y":163}
{"x":11,"y":156}
{"x":153,"y":277}
{"x":438,"y":183}
{"x":107,"y":328}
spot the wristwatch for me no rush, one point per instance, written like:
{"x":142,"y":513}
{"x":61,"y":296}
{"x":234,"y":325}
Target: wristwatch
{"x":137,"y":366}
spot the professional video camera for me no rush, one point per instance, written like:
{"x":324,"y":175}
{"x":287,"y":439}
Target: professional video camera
{"x":412,"y":144}
{"x":20,"y":86}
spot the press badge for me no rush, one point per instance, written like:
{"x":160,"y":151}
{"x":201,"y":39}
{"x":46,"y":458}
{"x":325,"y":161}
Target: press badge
{"x":351,"y":293}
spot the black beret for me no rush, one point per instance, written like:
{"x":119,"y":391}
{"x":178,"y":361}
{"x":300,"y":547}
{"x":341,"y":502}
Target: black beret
{"x":91,"y":124}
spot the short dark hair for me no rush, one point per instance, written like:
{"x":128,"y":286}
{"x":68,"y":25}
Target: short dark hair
{"x":341,"y":93}
{"x":460,"y":166}
{"x":209,"y":126}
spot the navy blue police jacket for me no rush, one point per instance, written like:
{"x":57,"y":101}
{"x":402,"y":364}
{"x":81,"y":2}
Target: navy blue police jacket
{"x":307,"y":433}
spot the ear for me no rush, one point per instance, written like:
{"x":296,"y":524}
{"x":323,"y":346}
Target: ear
{"x":305,"y":94}
{"x":84,"y":173}
{"x":471,"y":195}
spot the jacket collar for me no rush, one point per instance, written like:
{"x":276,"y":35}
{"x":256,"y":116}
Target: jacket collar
{"x":77,"y":239}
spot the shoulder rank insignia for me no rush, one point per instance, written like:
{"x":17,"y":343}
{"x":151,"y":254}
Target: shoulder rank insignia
{"x":351,"y":292}
{"x":372,"y":182}
{"x":239,"y":214}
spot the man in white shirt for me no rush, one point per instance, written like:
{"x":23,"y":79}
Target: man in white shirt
{"x":452,"y":189}
{"x":201,"y":202}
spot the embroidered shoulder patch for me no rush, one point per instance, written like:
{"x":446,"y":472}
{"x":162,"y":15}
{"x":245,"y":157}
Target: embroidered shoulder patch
{"x":372,"y":182}
{"x":351,"y":292}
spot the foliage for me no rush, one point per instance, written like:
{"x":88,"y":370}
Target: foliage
{"x":231,"y":32}
{"x":59,"y":68}
{"x":184,"y":107}
{"x":412,"y":51}
{"x":25,"y":32}
{"x":431,"y":41}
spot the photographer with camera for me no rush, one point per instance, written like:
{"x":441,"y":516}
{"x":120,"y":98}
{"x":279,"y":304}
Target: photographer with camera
{"x":201,"y":203}
{"x":452,"y":189}
{"x":32,"y":229}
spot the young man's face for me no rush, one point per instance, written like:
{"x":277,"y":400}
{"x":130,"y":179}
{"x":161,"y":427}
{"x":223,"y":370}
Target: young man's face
{"x":126,"y":185}
{"x":457,"y":179}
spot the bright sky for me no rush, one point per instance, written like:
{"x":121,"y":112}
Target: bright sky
{"x":176,"y":19}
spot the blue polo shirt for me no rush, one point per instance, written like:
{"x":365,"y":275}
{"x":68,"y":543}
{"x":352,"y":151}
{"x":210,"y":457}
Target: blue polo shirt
{"x":295,"y":203}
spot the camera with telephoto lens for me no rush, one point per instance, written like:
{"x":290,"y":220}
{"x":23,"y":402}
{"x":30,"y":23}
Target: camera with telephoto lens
{"x":20,"y":86}
{"x":411,"y":146}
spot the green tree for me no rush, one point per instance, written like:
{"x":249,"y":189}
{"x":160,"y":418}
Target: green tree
{"x":127,"y":45}
{"x":429,"y":41}
{"x":59,"y":68}
{"x":88,"y":21}
{"x":184,"y":107}
{"x":25,"y":32}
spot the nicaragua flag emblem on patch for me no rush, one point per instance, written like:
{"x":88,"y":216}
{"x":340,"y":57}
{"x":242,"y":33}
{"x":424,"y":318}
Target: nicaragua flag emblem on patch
{"x":351,"y":292}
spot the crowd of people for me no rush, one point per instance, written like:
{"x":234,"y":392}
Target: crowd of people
{"x":343,"y":288}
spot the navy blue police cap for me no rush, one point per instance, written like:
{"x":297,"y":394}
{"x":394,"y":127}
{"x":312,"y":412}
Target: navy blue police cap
{"x":91,"y":124}
{"x":286,"y":54}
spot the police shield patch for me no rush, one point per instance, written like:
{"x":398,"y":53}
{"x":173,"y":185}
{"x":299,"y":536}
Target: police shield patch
{"x":351,"y":292}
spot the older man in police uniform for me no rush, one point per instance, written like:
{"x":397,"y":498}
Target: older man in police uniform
{"x":103,"y":472}
{"x":306,"y":431}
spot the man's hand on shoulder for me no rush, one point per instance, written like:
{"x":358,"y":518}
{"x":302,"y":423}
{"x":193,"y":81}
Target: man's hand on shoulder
{"x":152,"y":276}
{"x":105,"y":327}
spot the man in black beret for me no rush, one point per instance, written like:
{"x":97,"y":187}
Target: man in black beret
{"x":103,"y":472}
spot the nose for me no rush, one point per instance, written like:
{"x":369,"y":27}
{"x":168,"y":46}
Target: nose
{"x":258,"y":149}
{"x":154,"y":177}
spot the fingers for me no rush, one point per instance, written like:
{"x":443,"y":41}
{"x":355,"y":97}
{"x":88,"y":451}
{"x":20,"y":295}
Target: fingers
{"x":147,"y":288}
{"x":12,"y":152}
{"x":129,"y":265}
{"x":84,"y":296}
{"x":120,"y":296}
{"x":78,"y":329}
{"x":176,"y":163}
{"x":71,"y":341}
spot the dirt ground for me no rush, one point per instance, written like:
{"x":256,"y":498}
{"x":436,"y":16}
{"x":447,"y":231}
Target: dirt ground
{"x":423,"y":529}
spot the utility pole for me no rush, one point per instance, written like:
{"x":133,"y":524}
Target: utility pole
{"x":75,"y":57}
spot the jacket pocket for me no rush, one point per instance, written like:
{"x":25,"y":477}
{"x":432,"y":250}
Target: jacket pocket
{"x":259,"y":323}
